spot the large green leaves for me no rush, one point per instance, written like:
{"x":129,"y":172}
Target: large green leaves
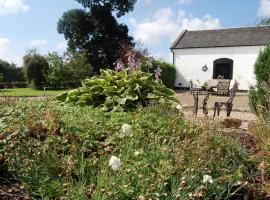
{"x":122,"y":90}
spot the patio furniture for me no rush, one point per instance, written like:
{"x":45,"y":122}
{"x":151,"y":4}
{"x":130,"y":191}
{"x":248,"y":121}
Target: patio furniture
{"x":196,"y":93}
{"x":223,"y":86}
{"x":229,"y":103}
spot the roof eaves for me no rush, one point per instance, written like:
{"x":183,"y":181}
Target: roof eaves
{"x":180,"y":36}
{"x":203,"y":47}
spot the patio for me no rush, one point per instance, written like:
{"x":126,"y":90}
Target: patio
{"x":241,"y":108}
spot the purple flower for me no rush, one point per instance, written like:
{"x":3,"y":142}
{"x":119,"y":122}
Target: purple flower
{"x":119,"y":65}
{"x":132,"y":62}
{"x":158,"y":73}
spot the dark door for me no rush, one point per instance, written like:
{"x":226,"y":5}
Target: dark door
{"x":223,"y":67}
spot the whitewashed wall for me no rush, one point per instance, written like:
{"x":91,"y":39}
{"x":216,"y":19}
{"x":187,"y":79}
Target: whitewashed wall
{"x":189,"y":63}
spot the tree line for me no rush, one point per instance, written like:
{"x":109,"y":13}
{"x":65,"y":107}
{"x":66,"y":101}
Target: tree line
{"x":93,"y":35}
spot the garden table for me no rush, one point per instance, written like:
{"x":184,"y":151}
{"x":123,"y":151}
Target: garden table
{"x":196,"y":93}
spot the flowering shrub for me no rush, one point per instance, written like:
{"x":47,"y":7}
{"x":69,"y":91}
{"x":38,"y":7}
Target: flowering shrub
{"x":139,"y":59}
{"x":119,"y":90}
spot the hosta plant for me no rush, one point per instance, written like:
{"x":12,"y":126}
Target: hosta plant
{"x":119,"y":90}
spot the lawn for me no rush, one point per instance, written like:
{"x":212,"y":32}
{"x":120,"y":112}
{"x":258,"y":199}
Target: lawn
{"x":28,"y":92}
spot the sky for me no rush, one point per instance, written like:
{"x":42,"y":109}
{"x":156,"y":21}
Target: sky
{"x":155,"y":23}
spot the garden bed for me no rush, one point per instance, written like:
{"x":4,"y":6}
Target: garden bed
{"x":63,"y":151}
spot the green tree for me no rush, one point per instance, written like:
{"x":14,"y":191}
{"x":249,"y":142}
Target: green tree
{"x":1,"y":78}
{"x":58,"y":73}
{"x":78,"y":64}
{"x":260,"y":94}
{"x":94,"y":29}
{"x":10,"y":72}
{"x":35,"y":68}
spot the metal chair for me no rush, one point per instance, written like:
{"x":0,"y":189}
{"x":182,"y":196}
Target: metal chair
{"x":229,"y":103}
{"x":223,"y":86}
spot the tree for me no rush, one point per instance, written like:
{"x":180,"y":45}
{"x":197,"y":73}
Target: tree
{"x":259,"y":97}
{"x":95,"y":30}
{"x":10,"y":72}
{"x":1,"y":78}
{"x":58,"y":73}
{"x":78,"y":64}
{"x":121,"y":7}
{"x":35,"y":68}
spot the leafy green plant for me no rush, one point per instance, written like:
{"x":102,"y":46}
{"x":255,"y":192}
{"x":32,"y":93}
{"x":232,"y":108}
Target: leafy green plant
{"x":259,"y":94}
{"x":168,"y":72}
{"x":123,"y":90}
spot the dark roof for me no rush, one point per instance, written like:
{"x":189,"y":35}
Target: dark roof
{"x":247,"y":36}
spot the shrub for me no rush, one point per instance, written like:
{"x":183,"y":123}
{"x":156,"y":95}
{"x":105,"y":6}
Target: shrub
{"x":13,"y":85}
{"x":259,"y":94}
{"x":168,"y":72}
{"x":123,"y":90}
{"x":262,"y":65}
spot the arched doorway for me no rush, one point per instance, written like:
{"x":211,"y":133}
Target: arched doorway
{"x":223,"y":67}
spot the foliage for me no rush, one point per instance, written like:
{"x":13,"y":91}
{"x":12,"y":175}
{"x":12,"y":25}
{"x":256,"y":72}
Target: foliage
{"x":262,"y":65}
{"x":121,"y":7}
{"x":1,"y":78}
{"x":10,"y":72}
{"x":260,"y":130}
{"x":205,"y":84}
{"x":58,"y":74}
{"x":62,"y":152}
{"x":168,"y":72}
{"x":96,"y":31}
{"x":29,"y":92}
{"x":259,"y":95}
{"x":123,"y":90}
{"x":139,"y":58}
{"x":13,"y":85}
{"x":35,"y":68}
{"x":78,"y":64}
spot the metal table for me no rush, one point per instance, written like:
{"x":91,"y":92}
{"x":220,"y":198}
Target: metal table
{"x":196,"y":93}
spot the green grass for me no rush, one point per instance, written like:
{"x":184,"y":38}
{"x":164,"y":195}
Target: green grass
{"x":27,"y":92}
{"x":62,"y":152}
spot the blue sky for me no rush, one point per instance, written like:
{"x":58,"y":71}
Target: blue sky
{"x":156,"y":23}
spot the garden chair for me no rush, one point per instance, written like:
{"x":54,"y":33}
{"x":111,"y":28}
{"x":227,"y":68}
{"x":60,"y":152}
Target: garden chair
{"x":229,"y":103}
{"x":223,"y":86}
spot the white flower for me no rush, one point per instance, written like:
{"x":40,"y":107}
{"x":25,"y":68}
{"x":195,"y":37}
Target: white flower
{"x":115,"y":163}
{"x":178,"y":107}
{"x":127,"y":130}
{"x":207,"y":179}
{"x":136,"y":153}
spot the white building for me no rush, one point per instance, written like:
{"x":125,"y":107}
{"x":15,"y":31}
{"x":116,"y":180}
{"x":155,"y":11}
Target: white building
{"x":206,"y":54}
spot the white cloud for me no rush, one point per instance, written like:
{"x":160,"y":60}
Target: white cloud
{"x":165,"y":56}
{"x":38,"y":43}
{"x":12,"y":6}
{"x":61,"y":46}
{"x":145,"y":1}
{"x":6,"y":52}
{"x":264,"y":9}
{"x":185,"y":1}
{"x":165,"y":24}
